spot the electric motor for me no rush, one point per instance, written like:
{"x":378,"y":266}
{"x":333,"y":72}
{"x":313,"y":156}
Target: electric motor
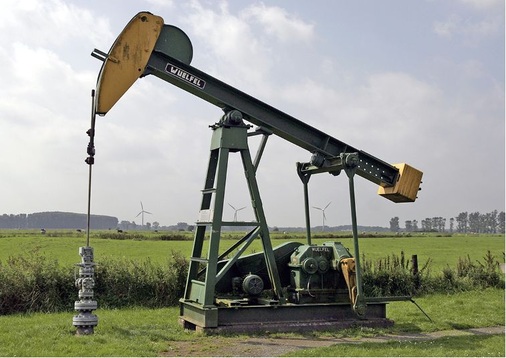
{"x":252,"y":285}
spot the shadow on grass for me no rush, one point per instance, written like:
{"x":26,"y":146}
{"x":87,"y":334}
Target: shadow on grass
{"x":152,"y":335}
{"x":407,"y":327}
{"x":460,"y":326}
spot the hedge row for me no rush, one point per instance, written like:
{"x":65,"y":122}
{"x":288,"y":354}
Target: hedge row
{"x":33,"y":283}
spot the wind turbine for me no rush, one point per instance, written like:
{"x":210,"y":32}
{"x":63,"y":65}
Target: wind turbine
{"x":142,"y":214}
{"x":323,"y":214}
{"x":236,"y":210}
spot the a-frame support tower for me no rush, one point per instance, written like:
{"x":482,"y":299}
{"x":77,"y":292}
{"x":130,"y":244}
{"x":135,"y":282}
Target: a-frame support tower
{"x":230,"y":136}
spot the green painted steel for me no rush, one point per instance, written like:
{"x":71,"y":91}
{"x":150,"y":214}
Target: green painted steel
{"x":350,"y":164}
{"x":201,"y":285}
{"x":259,"y":113}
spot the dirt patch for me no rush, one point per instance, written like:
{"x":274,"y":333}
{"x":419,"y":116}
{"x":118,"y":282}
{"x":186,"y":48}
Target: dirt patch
{"x":214,"y":346}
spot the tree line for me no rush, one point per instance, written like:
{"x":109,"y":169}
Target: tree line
{"x":56,"y":220}
{"x":475,"y":222}
{"x":180,"y":226}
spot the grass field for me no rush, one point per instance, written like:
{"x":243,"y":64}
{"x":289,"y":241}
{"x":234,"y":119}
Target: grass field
{"x":145,"y":332}
{"x":442,"y":251}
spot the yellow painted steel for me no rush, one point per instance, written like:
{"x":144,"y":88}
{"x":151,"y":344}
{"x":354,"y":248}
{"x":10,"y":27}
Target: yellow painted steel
{"x":127,"y":59}
{"x":406,"y":188}
{"x":350,"y":276}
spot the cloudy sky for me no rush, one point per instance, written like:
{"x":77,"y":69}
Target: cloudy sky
{"x":420,"y":82}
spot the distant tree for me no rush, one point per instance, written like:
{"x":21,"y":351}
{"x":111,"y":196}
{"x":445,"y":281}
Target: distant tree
{"x":462,"y":222}
{"x":452,"y":223}
{"x":182,"y":226}
{"x":156,"y":225}
{"x":438,"y":223}
{"x":148,"y":226}
{"x":500,"y":222}
{"x":475,"y":222}
{"x":124,"y":225}
{"x":434,"y":223}
{"x":427,"y":225}
{"x":408,"y":225}
{"x":394,"y":224}
{"x":491,"y":222}
{"x":415,"y":225}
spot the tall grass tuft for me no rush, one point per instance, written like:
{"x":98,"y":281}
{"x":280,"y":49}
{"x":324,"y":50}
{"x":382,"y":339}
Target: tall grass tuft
{"x":123,"y":282}
{"x":395,"y":276}
{"x":35,"y":283}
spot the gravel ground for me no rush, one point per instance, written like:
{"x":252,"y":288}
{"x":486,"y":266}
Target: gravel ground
{"x":217,"y":346}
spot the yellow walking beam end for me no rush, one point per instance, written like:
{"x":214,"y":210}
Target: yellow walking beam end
{"x":406,"y":188}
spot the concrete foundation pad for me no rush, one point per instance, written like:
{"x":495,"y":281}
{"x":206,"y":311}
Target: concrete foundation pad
{"x":282,"y":318}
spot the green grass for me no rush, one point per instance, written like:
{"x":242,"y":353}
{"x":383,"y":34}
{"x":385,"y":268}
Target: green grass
{"x":466,"y":346}
{"x":464,"y":310}
{"x":66,"y":249}
{"x":131,"y":332}
{"x":442,"y":251}
{"x":145,"y":332}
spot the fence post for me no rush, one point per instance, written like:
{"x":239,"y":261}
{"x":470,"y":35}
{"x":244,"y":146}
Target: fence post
{"x":414,"y":271}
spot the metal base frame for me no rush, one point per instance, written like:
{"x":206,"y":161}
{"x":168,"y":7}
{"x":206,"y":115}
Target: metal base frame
{"x":279,"y":318}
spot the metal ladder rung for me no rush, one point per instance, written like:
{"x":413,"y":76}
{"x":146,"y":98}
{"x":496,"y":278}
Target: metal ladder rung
{"x":240,"y":223}
{"x":208,"y":191}
{"x":199,"y":259}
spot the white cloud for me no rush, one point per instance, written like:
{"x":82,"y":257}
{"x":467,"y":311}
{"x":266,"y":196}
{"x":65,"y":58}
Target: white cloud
{"x":52,"y":23}
{"x":477,"y":19}
{"x":243,"y":47}
{"x":38,"y":77}
{"x":449,"y":27}
{"x":484,"y":4}
{"x":391,"y":106}
{"x":44,"y":105}
{"x":161,"y":3}
{"x":227,"y":40}
{"x":456,"y":25}
{"x":281,"y":24}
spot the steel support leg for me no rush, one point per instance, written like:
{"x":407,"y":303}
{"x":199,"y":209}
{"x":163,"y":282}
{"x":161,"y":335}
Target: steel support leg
{"x":350,"y":162}
{"x":304,"y":177}
{"x":198,"y":240}
{"x":216,"y":224}
{"x":249,"y":171}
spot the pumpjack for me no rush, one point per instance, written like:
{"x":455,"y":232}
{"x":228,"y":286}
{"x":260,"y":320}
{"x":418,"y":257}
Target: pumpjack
{"x":292,"y":286}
